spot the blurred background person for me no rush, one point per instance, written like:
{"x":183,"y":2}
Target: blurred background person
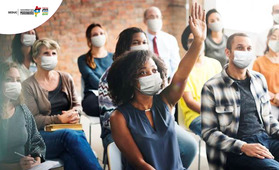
{"x":21,"y":53}
{"x":260,"y":44}
{"x":92,"y":65}
{"x":18,"y":130}
{"x":51,"y":97}
{"x":268,"y":65}
{"x":190,"y":103}
{"x":161,"y":43}
{"x":215,"y":42}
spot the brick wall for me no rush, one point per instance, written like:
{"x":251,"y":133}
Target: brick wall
{"x":68,"y":25}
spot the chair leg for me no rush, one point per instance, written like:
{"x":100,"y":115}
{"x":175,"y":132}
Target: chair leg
{"x":90,"y":134}
{"x":105,"y":160}
{"x":199,"y":158}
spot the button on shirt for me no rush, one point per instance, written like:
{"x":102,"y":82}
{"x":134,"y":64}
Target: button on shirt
{"x":168,"y":50}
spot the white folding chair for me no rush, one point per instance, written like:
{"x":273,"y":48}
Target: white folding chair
{"x":114,"y":157}
{"x":93,"y":120}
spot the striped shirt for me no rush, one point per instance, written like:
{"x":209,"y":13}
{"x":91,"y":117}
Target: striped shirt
{"x":220,"y":112}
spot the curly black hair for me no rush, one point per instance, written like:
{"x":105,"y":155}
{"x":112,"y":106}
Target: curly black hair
{"x":122,"y":76}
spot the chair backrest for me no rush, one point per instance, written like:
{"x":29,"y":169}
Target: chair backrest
{"x":114,"y":157}
{"x":180,"y":117}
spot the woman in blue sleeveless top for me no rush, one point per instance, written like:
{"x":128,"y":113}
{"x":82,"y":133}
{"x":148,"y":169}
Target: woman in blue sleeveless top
{"x":142,"y":126}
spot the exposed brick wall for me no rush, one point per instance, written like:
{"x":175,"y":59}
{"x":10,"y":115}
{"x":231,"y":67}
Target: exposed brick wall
{"x":68,"y":25}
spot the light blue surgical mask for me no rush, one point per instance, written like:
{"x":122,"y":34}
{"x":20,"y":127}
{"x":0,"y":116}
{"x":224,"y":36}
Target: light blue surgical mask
{"x":242,"y":59}
{"x":139,"y":47}
{"x":150,"y":85}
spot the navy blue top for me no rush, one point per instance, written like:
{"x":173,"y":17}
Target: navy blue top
{"x":158,"y":146}
{"x":91,"y":77}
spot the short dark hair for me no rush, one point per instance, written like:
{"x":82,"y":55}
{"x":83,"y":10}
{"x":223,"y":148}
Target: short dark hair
{"x":125,"y":40}
{"x":122,"y":76}
{"x":17,"y":54}
{"x":231,"y":38}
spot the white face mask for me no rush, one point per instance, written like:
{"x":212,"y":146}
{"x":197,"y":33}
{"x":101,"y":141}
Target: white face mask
{"x":216,"y":26}
{"x":276,"y":18}
{"x":274,"y":45}
{"x":49,"y":62}
{"x":98,"y":41}
{"x":242,"y":59}
{"x":28,"y":39}
{"x":150,"y":85}
{"x":154,"y":25}
{"x":139,"y":47}
{"x":12,"y":90}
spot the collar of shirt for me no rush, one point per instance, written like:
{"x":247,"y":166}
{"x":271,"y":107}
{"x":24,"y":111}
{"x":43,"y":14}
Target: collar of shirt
{"x":151,"y":36}
{"x":228,"y":80}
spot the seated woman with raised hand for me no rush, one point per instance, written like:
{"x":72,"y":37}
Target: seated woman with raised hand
{"x":132,"y":39}
{"x":142,"y":125}
{"x":18,"y":131}
{"x":51,"y":97}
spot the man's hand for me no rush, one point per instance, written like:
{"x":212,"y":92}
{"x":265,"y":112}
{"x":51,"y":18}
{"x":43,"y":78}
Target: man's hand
{"x":256,"y":150}
{"x":197,"y":22}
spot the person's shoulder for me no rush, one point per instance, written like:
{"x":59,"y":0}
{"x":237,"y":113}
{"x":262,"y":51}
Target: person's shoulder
{"x":29,"y":81}
{"x":260,"y":59}
{"x":211,"y":60}
{"x":65,"y":75}
{"x":213,"y":81}
{"x":166,"y":35}
{"x":256,"y":74}
{"x":25,"y":110}
{"x":82,"y":58}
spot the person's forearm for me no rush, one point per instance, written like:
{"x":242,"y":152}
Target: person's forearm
{"x":194,"y":105}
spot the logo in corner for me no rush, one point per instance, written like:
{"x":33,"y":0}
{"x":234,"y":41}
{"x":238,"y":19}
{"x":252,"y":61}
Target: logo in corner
{"x":44,"y":10}
{"x":37,"y":10}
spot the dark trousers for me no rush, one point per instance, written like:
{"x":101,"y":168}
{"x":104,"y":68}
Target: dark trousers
{"x":244,"y":162}
{"x":90,"y":104}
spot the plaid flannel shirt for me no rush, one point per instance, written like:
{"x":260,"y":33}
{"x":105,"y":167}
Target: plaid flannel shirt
{"x":220,"y":113}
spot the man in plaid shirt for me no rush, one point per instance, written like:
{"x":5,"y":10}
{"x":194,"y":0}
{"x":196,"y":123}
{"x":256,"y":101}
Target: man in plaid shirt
{"x":237,"y":125}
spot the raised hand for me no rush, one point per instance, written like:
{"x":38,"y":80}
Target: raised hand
{"x":197,"y":22}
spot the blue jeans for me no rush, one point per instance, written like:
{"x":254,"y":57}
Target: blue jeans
{"x":72,"y":147}
{"x":195,"y":126}
{"x":243,"y":162}
{"x":187,"y":146}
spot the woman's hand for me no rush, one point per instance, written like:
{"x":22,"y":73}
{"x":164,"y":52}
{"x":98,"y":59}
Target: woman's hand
{"x":70,"y":116}
{"x":197,"y":22}
{"x":28,"y":162}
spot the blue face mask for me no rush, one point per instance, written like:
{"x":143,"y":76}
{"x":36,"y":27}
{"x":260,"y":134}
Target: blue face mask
{"x":150,"y":85}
